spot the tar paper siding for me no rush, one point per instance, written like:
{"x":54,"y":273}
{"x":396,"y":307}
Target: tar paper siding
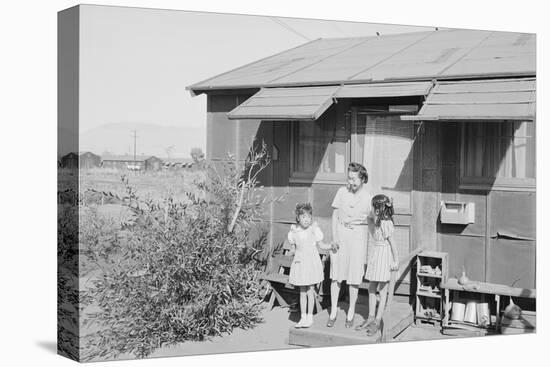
{"x":487,"y":255}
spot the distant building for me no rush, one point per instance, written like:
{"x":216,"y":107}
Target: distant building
{"x":81,"y":160}
{"x":127,"y":162}
{"x":177,"y":163}
{"x":153,"y":164}
{"x":89,"y":160}
{"x":70,"y":160}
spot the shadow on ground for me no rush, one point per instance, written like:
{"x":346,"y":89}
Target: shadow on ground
{"x":49,"y":346}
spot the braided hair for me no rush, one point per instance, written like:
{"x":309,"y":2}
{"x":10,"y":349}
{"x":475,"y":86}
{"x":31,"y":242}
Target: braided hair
{"x":382,"y":206}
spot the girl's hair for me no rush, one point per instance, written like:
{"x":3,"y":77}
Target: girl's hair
{"x":303,"y":208}
{"x":358,"y":167}
{"x":383,"y":208}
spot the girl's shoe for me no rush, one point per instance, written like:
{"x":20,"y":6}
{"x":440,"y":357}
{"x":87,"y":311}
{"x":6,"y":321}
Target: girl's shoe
{"x":309,"y":321}
{"x":373,"y":327}
{"x":302,"y":321}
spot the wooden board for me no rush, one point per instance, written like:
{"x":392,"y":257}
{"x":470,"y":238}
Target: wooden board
{"x":490,"y":288}
{"x":527,"y":323}
{"x":319,"y":335}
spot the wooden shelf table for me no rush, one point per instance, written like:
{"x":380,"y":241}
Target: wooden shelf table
{"x":491,"y":289}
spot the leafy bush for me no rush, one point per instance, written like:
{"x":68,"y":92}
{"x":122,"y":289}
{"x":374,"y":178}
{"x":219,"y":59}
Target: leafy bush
{"x":184,"y":271}
{"x":67,"y":280}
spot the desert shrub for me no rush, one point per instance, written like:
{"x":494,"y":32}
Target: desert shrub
{"x":92,"y":197}
{"x":186,"y":270}
{"x":67,"y":280}
{"x":100,"y":238}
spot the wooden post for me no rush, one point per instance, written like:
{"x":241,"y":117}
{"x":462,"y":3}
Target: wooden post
{"x":386,"y":316}
{"x":447,"y":308}
{"x":497,"y":319}
{"x":271,"y":302}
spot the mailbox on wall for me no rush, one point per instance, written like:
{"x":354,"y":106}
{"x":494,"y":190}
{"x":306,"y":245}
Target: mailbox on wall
{"x":457,"y":212}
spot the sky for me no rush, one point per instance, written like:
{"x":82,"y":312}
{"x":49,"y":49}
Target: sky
{"x":135,"y":63}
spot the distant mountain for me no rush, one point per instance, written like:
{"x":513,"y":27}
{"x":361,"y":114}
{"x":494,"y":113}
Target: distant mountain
{"x":160,"y":141}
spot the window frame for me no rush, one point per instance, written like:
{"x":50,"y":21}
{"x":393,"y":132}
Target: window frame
{"x":318,"y":178}
{"x":491,"y":183}
{"x":351,"y":151}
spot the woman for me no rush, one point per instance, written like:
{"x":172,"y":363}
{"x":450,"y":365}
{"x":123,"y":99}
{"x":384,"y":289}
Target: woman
{"x":351,"y":205}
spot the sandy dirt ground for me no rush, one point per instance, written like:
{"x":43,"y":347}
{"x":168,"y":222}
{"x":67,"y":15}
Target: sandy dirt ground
{"x":272,"y":334}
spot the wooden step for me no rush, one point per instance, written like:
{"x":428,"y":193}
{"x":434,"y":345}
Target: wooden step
{"x":319,"y":335}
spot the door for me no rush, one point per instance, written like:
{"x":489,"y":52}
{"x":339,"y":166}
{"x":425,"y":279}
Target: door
{"x":384,"y":145}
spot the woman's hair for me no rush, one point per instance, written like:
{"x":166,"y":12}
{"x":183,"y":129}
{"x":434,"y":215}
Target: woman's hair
{"x":358,"y":167}
{"x":383,"y":208}
{"x":303,"y":208}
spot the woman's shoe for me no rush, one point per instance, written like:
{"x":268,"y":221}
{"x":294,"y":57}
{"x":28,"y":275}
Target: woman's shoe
{"x":365,"y":323}
{"x":349,"y":323}
{"x":373,"y":327}
{"x":330,"y":322}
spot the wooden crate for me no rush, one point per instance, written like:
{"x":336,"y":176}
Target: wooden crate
{"x":431,"y":272}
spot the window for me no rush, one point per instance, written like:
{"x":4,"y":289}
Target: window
{"x":320,"y":150}
{"x":498,"y":154}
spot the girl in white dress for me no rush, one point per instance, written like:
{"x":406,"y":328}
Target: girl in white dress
{"x":306,"y":270}
{"x":382,"y":261}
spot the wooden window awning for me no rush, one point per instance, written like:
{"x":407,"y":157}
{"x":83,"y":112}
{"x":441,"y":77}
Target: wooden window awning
{"x":384,"y":90}
{"x":484,"y":100}
{"x":309,"y":103}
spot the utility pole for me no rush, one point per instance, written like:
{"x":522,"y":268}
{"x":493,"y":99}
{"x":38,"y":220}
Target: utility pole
{"x":135,"y":143}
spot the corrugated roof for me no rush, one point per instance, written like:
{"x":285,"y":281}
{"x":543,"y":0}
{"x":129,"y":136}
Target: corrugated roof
{"x":498,"y":99}
{"x":399,"y":57}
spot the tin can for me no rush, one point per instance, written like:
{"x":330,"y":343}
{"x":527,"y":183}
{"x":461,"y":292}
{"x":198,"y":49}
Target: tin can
{"x":457,"y":310}
{"x":470,"y":315}
{"x":483,"y":316}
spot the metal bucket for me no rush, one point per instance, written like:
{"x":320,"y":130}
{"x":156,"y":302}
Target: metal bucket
{"x":457,"y":310}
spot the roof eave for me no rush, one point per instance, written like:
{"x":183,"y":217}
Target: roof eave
{"x":205,"y":89}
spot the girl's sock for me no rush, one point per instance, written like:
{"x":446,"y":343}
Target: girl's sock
{"x":302,"y":321}
{"x":309,"y":320}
